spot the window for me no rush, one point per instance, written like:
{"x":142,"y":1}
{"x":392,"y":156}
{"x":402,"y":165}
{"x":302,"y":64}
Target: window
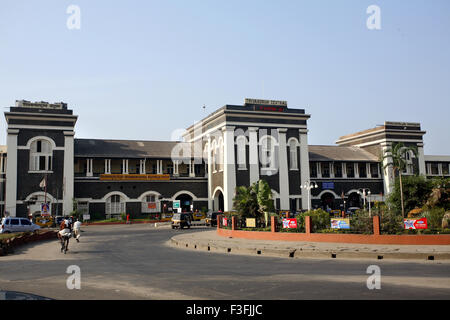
{"x":14,"y":222}
{"x":214,"y":156}
{"x":434,"y":168}
{"x":362,"y":168}
{"x":241,"y":156}
{"x":150,"y":198}
{"x":445,"y":169}
{"x":220,"y":153}
{"x":41,"y":156}
{"x":350,"y":170}
{"x":25,"y":222}
{"x":374,"y":170}
{"x":313,"y":169}
{"x":293,"y":155}
{"x":338,"y":170}
{"x":169,"y":168}
{"x":325,"y":169}
{"x":267,"y":152}
{"x":115,"y":205}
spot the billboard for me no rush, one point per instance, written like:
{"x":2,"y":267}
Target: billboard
{"x":340,"y":223}
{"x":420,"y":223}
{"x":289,"y":223}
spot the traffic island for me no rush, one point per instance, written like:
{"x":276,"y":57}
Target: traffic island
{"x":8,"y":244}
{"x":210,"y":241}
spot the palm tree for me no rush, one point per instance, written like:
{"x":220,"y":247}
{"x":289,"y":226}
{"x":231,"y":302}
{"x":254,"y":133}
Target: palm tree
{"x":397,"y":159}
{"x":264,"y":198}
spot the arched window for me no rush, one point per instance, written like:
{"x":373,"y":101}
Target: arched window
{"x":293,"y":160}
{"x":214,"y":156}
{"x":267,"y":152}
{"x":221,"y":159}
{"x":41,"y":155}
{"x":241,"y":154}
{"x":115,"y":205}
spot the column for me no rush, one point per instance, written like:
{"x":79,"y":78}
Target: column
{"x":331,"y":169}
{"x":369,"y":173}
{"x":319,"y":170}
{"x":388,"y":175}
{"x":89,"y":165}
{"x":344,"y":170}
{"x":175,"y":167}
{"x":210,"y":204}
{"x":283,"y":169}
{"x":191,"y":168}
{"x":68,"y":185}
{"x":229,"y":168}
{"x":253,"y":154}
{"x":124,"y":166}
{"x":421,"y":159}
{"x":356,"y":168}
{"x":11,"y":172}
{"x":304,"y":165}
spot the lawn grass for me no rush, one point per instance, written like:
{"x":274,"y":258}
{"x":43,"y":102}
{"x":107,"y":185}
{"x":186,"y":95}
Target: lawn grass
{"x":5,"y":236}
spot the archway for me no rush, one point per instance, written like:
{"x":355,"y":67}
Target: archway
{"x":36,"y":201}
{"x":327,"y":200}
{"x":218,"y":201}
{"x":354,"y":200}
{"x":185,"y":202}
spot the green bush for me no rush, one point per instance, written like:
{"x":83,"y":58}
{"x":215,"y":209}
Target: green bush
{"x":320,"y":219}
{"x":434,"y":217}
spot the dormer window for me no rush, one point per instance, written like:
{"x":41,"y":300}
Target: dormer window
{"x":41,"y":155}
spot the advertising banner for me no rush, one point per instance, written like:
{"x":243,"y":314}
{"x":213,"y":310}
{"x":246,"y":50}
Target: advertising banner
{"x":290,"y":223}
{"x":339,"y":223}
{"x":151,"y":205}
{"x":225,"y":222}
{"x":176,"y":204}
{"x":415,"y":223}
{"x":250,"y":222}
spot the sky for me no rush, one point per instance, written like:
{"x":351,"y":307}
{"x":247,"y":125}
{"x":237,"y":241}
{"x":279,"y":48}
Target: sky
{"x":144,"y":69}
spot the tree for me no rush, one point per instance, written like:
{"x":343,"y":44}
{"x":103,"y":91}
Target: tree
{"x":245,"y":202}
{"x":397,"y":159}
{"x":253,"y":201}
{"x":415,"y":191}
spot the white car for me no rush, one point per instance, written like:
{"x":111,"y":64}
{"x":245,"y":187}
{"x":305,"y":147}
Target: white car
{"x":14,"y":224}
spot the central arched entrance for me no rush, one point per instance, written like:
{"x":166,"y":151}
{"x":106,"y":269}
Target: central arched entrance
{"x":218,"y":201}
{"x":185,"y":202}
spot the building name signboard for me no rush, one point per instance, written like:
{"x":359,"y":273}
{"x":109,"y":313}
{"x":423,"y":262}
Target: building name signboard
{"x":134,"y":177}
{"x":279,"y":103}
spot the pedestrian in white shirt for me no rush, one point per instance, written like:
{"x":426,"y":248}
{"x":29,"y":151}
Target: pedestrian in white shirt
{"x":77,"y":230}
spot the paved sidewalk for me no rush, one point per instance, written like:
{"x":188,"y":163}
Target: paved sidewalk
{"x":210,"y":241}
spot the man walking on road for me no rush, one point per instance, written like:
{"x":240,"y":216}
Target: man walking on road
{"x":77,"y":230}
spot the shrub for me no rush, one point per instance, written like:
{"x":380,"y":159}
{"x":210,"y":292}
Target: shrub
{"x":434,"y":217}
{"x":320,"y":219}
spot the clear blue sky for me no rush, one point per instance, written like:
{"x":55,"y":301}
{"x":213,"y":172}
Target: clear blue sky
{"x":140,"y":69}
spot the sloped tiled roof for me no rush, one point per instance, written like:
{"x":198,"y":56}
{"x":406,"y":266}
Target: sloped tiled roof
{"x":339,"y":153}
{"x":126,"y":148}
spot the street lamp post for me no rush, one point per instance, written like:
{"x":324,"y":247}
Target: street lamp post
{"x":365,"y":192}
{"x":308,"y":186}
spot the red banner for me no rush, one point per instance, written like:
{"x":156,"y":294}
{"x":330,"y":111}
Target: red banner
{"x":290,"y":223}
{"x":225,"y":222}
{"x":415,"y":223}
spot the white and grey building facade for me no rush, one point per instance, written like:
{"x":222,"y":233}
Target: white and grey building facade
{"x":234,"y":146}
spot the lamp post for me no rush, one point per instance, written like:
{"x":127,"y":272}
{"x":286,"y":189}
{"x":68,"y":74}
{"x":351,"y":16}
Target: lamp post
{"x":365,"y":192}
{"x":308,"y":186}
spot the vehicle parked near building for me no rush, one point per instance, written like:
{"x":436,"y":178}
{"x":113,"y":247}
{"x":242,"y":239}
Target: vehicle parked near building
{"x":211,"y":218}
{"x":181,"y":220}
{"x":14,"y":224}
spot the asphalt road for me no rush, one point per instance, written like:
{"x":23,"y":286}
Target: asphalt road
{"x":134,"y":262}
